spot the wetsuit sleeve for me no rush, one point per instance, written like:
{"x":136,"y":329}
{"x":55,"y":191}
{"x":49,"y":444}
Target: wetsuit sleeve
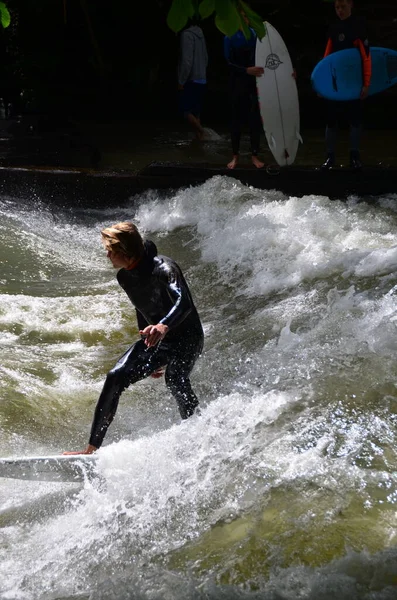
{"x":366,"y":60}
{"x":227,"y":51}
{"x":328,"y":48}
{"x":178,"y":292}
{"x":186,"y":57}
{"x":142,"y":323}
{"x":362,"y":44}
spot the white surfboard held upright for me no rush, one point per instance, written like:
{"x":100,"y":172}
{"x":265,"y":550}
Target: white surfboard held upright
{"x":278,"y":97}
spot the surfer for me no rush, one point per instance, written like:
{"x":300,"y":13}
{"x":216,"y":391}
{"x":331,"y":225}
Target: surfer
{"x":192,"y":75}
{"x":240,"y":56}
{"x":349,"y":31}
{"x":169,"y":325}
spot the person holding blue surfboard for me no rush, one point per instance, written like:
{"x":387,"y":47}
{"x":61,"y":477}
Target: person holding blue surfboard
{"x":349,"y":31}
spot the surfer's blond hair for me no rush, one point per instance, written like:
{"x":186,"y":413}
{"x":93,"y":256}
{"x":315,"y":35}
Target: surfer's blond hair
{"x":123,"y":238}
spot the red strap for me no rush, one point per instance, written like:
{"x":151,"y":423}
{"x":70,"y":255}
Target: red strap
{"x":328,"y":48}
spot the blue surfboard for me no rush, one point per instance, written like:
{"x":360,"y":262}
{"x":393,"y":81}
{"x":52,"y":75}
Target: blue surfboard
{"x":338,"y":76}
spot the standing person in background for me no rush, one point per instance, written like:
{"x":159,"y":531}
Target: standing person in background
{"x":240,"y":56}
{"x":192,"y":75}
{"x":349,"y":31}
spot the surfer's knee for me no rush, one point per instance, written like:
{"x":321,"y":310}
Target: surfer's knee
{"x":115,"y":373}
{"x":117,"y":379}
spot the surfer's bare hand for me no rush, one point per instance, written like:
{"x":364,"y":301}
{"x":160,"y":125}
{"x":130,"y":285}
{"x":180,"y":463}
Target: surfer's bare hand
{"x":364,"y":92}
{"x":154,"y":333}
{"x":89,"y":450}
{"x":255,"y":71}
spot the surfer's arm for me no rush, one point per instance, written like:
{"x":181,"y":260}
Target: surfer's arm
{"x":142,"y":323}
{"x":366,"y":60}
{"x":227,"y":51}
{"x":178,"y":293}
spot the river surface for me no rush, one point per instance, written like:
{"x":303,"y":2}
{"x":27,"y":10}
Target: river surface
{"x":285,"y":487}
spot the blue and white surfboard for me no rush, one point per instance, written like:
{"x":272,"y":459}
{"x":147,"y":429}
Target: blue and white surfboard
{"x":339,"y":76}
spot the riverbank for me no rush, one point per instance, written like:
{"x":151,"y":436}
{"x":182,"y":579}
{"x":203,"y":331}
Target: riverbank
{"x":132,"y":145}
{"x":91,"y":163}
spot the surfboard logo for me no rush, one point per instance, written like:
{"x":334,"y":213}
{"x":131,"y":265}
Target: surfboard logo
{"x":273,"y":62}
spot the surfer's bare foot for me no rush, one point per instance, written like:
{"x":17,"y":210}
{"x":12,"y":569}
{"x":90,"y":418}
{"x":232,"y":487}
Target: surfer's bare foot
{"x":233,"y":163}
{"x":89,"y":450}
{"x":257,"y":163}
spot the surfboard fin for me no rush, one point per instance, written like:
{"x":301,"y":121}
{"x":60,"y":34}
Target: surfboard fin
{"x":272,"y":141}
{"x":299,"y":137}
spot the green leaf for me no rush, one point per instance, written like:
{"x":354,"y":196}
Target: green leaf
{"x":246,"y":29}
{"x":222,"y":8}
{"x":228,"y":20}
{"x":260,"y":29}
{"x":255,"y":20}
{"x":5,"y":17}
{"x":206,"y":8}
{"x":179,"y":14}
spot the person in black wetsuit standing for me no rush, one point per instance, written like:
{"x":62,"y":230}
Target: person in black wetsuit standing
{"x":239,"y":53}
{"x":169,"y":325}
{"x":349,"y":31}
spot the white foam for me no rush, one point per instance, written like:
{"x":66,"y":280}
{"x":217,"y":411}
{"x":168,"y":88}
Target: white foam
{"x":296,"y":383}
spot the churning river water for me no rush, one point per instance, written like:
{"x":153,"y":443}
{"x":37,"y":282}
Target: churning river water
{"x":285,"y":487}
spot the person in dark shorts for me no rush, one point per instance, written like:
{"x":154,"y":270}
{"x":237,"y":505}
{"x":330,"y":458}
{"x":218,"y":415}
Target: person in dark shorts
{"x":169,"y":325}
{"x":192,"y":76}
{"x":239,"y":53}
{"x":349,"y":31}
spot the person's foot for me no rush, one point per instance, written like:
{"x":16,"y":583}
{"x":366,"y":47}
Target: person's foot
{"x":233,"y":163}
{"x":329,"y":163}
{"x":256,"y":162}
{"x":355,"y":162}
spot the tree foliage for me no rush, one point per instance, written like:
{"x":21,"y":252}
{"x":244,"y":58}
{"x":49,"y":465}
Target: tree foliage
{"x":5,"y":18}
{"x":227,"y":13}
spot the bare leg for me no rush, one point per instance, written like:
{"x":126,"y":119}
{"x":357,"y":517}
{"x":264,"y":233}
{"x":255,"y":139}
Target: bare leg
{"x":197,"y":127}
{"x":233,"y":163}
{"x":256,"y":162}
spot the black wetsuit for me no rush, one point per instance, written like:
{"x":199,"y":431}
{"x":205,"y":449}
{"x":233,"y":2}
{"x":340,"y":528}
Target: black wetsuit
{"x":159,"y":292}
{"x":344,"y":34}
{"x":240,"y":54}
